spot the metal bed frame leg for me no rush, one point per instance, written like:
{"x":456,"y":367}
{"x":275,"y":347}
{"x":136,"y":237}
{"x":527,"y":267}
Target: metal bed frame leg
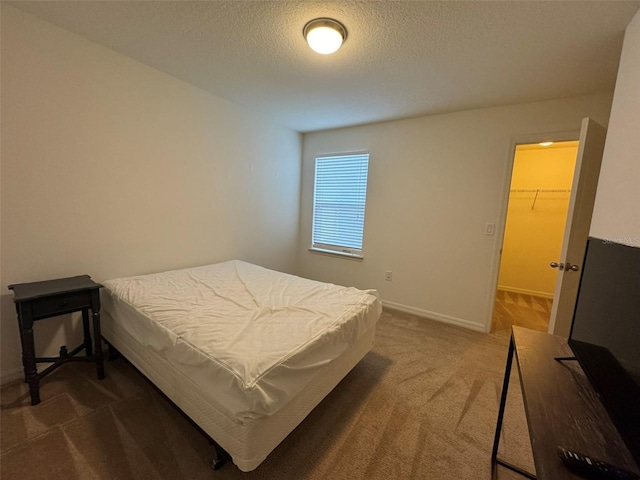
{"x":112,"y":352}
{"x":220,"y":455}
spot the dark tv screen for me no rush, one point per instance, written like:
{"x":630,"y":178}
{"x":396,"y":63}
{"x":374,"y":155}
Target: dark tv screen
{"x":605,"y":334}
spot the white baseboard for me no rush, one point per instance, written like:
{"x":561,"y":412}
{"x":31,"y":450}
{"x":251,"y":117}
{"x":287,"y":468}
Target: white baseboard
{"x":434,"y":316}
{"x":524,"y":291}
{"x":11,"y":375}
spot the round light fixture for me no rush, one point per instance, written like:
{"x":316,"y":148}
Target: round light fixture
{"x":324,"y":35}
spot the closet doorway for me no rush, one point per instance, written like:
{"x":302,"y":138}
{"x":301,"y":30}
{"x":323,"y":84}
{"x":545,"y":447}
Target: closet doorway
{"x":539,"y":196}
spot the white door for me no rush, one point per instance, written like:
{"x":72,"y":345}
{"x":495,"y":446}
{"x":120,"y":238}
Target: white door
{"x":574,"y":243}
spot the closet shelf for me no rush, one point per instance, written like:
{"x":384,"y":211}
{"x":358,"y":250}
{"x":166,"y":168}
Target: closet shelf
{"x":540,"y":190}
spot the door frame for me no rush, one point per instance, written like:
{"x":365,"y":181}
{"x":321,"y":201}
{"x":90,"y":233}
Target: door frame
{"x":558,"y":136}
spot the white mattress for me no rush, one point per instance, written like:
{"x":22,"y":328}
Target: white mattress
{"x":248,"y":442}
{"x":249,"y":337}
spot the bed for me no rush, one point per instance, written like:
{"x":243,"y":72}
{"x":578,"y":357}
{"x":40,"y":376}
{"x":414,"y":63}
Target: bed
{"x":243,"y":351}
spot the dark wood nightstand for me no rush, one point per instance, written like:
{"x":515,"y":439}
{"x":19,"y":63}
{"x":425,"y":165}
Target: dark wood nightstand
{"x":39,"y":300}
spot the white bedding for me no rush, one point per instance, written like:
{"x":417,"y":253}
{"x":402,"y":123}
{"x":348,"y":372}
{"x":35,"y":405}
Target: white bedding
{"x":251,"y":338}
{"x":250,"y":442}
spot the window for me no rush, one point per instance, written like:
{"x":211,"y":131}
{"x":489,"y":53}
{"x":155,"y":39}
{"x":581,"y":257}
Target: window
{"x":340,"y":194}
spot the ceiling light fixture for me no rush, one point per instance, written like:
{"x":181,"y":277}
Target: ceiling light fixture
{"x":545,"y":144}
{"x":324,"y":35}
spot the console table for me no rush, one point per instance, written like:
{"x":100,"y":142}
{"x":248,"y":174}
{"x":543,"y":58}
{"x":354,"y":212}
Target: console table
{"x":561,"y":407}
{"x":39,"y":300}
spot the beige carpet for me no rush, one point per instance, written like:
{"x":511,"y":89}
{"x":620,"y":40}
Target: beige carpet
{"x":421,"y":405}
{"x":519,"y":309}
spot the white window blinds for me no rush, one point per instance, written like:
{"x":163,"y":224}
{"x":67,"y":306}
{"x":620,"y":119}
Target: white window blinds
{"x":339,"y":203}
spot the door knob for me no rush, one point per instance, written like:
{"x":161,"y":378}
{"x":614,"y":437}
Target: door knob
{"x":573,"y":268}
{"x":559,"y":266}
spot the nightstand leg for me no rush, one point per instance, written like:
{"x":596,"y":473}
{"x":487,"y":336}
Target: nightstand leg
{"x":29,"y":364}
{"x":98,"y":344}
{"x":87,"y":333}
{"x":25,"y":324}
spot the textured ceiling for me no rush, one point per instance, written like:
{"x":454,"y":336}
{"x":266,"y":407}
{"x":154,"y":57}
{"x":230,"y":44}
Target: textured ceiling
{"x":401,"y":58}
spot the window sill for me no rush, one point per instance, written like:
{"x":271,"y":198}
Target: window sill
{"x":350,"y":256}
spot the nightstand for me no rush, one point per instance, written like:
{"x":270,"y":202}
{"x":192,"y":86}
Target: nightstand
{"x":40,"y":300}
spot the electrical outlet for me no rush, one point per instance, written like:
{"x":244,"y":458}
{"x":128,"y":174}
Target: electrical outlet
{"x":388,"y":275}
{"x":489,"y":228}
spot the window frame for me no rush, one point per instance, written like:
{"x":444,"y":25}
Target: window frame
{"x":326,"y":248}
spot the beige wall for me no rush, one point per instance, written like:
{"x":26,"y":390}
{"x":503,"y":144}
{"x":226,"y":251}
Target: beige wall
{"x":112,"y":168}
{"x":433,"y":184}
{"x":535,"y":222}
{"x":616,"y":214}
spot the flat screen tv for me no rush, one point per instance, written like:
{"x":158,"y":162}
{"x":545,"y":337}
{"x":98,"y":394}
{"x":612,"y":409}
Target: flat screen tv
{"x":605,"y":333}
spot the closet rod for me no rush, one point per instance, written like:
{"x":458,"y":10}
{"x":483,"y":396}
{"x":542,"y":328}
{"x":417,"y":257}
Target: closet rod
{"x":540,"y":190}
